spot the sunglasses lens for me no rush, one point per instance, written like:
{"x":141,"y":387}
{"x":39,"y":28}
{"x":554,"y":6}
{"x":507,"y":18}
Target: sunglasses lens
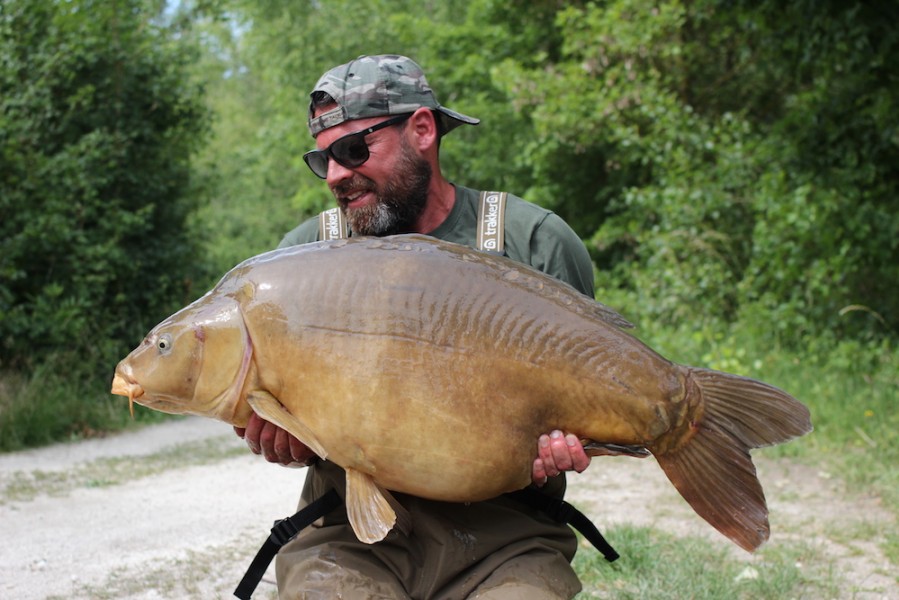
{"x":318,"y":162}
{"x":350,"y":151}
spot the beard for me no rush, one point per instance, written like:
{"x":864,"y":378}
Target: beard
{"x":400,"y":201}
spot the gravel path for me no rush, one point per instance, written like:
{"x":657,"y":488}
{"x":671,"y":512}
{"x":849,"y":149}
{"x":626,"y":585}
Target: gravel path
{"x":178,"y":510}
{"x":175,"y":532}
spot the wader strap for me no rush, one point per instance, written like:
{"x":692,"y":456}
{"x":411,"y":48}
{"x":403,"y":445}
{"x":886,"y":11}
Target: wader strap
{"x":562,"y":512}
{"x":332,"y":225}
{"x":283,"y":531}
{"x":491,"y":213}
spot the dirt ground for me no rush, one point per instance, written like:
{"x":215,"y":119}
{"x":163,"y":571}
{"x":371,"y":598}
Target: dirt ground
{"x":178,"y":510}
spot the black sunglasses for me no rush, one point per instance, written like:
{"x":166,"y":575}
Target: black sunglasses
{"x":351,"y":150}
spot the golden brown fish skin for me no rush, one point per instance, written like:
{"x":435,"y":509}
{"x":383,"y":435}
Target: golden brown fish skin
{"x":434,"y":368}
{"x":494,"y":354}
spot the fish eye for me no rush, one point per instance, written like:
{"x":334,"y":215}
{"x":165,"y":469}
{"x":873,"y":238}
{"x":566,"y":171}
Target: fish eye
{"x":164,"y":343}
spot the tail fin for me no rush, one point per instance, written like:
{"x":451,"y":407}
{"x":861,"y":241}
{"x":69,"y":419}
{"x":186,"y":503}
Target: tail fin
{"x":713,"y":470}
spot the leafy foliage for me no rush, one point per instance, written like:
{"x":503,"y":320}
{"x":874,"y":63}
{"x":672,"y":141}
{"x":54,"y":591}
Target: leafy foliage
{"x":97,"y":125}
{"x":742,"y":162}
{"x":826,"y":255}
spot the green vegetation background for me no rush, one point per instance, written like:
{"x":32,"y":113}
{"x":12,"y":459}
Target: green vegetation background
{"x":732,"y":166}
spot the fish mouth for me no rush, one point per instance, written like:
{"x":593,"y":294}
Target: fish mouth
{"x":122,"y":385}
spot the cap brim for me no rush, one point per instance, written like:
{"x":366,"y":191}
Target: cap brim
{"x":452,"y":119}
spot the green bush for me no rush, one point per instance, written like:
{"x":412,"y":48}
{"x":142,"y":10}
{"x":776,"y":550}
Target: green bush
{"x":97,"y":124}
{"x":737,"y":159}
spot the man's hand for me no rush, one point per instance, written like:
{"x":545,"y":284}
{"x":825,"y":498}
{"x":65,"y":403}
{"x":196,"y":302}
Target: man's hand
{"x":274,"y":443}
{"x":556,"y":453}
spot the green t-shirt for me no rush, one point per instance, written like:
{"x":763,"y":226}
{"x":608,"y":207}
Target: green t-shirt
{"x":533,"y":236}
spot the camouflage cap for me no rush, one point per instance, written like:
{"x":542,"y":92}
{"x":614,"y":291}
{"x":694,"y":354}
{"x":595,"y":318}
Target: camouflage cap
{"x":371,"y":86}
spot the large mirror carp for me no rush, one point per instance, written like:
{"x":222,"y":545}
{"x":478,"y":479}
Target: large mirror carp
{"x":430,"y":368}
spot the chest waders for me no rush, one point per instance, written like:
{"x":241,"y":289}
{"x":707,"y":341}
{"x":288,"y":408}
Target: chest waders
{"x":490,"y":238}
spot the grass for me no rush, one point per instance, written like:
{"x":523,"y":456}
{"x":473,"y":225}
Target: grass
{"x":891,"y":547}
{"x":655,"y":565}
{"x":61,"y":401}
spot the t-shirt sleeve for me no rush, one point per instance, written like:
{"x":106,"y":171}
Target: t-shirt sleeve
{"x":303,"y":233}
{"x":557,"y":250}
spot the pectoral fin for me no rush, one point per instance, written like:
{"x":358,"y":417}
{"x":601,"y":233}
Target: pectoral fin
{"x":269,"y":408}
{"x":372,"y":510}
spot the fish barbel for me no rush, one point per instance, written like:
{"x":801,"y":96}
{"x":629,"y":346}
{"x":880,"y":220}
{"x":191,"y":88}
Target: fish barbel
{"x":430,"y":368}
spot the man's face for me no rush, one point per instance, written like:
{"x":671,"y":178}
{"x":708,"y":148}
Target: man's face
{"x":386,"y":194}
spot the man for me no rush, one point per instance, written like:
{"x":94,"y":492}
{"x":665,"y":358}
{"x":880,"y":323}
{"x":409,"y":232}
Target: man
{"x":377,"y":127}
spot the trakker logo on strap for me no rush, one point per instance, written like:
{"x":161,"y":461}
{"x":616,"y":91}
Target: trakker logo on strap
{"x":490,"y":221}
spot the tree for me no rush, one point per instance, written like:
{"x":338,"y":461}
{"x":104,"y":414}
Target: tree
{"x":738,"y":159}
{"x":825,"y":253}
{"x":618,"y":149}
{"x":97,"y":128}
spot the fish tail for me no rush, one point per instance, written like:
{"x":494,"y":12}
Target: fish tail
{"x":713,"y":470}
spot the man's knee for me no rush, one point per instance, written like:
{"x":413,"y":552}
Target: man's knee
{"x":322,"y":574}
{"x":516,"y":591}
{"x":534,"y":576}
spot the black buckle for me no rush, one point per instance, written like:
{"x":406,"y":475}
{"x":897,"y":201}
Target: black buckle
{"x":283,"y":531}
